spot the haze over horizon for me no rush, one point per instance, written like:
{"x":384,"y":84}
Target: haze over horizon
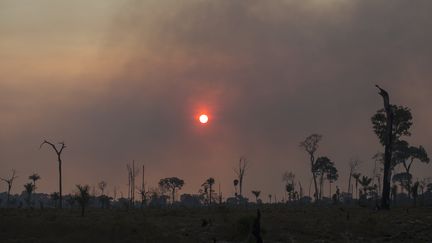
{"x":123,"y":80}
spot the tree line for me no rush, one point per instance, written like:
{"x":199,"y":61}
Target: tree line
{"x":391,"y":124}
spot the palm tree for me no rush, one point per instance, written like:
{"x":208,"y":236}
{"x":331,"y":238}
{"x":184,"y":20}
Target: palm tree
{"x":34,"y":177}
{"x":82,"y":197}
{"x":256,"y":194}
{"x":29,"y":188}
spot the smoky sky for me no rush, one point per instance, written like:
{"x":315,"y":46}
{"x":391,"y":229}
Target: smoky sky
{"x":268,"y":73}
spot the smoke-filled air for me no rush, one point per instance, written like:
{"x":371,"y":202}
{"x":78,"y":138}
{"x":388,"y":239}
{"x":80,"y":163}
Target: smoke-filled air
{"x":215,"y":121}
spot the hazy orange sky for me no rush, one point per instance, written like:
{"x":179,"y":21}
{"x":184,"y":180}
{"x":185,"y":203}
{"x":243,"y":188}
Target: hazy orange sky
{"x":124,"y":80}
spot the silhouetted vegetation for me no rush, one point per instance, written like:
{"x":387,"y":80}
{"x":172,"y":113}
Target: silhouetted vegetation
{"x":256,"y":194}
{"x":236,"y":219}
{"x":310,"y":145}
{"x":390,"y":125}
{"x":240,"y":172}
{"x":171,"y":183}
{"x":58,"y":151}
{"x":82,"y":197}
{"x":34,"y":177}
{"x":29,"y":187}
{"x":9,"y":183}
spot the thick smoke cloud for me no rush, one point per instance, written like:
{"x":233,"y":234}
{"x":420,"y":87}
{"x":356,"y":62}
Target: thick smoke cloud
{"x":268,"y":73}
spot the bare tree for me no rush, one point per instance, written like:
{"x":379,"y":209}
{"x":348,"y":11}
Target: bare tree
{"x":385,"y":199}
{"x":310,"y":145}
{"x":132,"y":174}
{"x":58,"y":151}
{"x":142,"y":191}
{"x":243,"y":163}
{"x":9,"y":182}
{"x":353,"y":166}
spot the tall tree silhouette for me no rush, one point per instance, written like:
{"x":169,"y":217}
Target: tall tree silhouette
{"x":34,"y":177}
{"x":323,"y":167}
{"x":132,"y":174}
{"x":387,"y":137}
{"x":310,"y":145}
{"x":390,"y":124}
{"x":142,"y":191}
{"x":243,"y":163}
{"x":58,"y":151}
{"x":171,"y":183}
{"x":332,"y":176}
{"x":9,"y":183}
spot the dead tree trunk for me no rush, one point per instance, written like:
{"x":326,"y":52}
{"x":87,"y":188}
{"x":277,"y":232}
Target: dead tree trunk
{"x":312,"y":158}
{"x":310,"y":144}
{"x":385,"y":199}
{"x":132,"y":173}
{"x":241,"y":172}
{"x":58,"y":151}
{"x":9,"y":182}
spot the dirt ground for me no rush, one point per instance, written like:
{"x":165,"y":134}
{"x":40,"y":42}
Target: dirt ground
{"x":219,"y":224}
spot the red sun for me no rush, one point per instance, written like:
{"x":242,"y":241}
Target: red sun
{"x":203,"y":118}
